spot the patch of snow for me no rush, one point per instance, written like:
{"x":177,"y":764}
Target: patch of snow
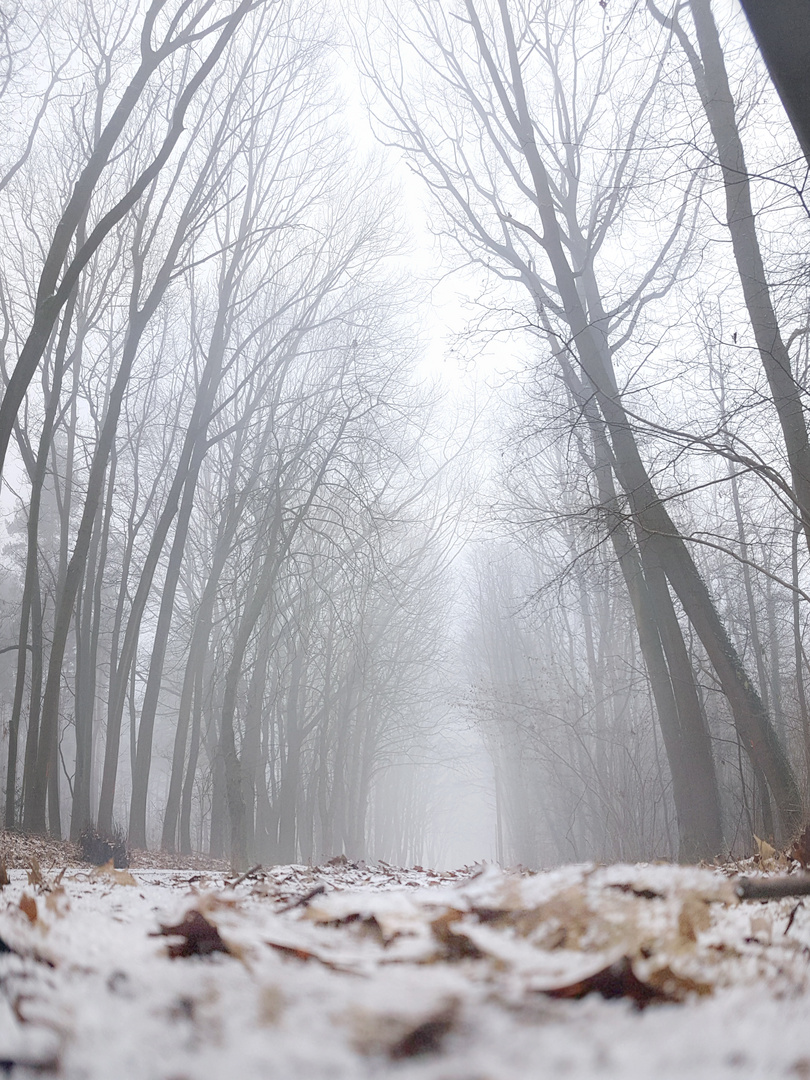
{"x":350,"y":972}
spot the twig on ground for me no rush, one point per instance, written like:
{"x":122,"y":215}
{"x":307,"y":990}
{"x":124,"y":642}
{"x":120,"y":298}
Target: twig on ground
{"x":243,"y":877}
{"x":302,"y":901}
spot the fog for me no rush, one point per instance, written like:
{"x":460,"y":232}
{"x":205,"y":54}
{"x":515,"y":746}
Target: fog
{"x":404,"y":442}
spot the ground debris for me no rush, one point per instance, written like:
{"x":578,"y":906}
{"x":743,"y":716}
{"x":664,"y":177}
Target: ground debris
{"x":453,"y":945}
{"x":620,"y":980}
{"x":617,"y":980}
{"x":28,"y":906}
{"x":427,"y":1037}
{"x":200,"y":937}
{"x":302,"y":901}
{"x":384,"y":971}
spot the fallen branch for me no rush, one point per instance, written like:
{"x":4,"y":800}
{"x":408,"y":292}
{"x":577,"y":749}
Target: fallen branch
{"x":773,"y":888}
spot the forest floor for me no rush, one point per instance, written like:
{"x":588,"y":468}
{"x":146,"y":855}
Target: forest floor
{"x":367,"y":971}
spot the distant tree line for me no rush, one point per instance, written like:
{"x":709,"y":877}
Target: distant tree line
{"x":223,"y":585}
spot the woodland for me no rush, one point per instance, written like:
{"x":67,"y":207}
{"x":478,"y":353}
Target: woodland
{"x":268,"y":571}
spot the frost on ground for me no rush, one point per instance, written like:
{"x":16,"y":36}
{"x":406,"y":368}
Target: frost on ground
{"x":366,"y":971}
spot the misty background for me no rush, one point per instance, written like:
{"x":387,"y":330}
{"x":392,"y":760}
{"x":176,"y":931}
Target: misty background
{"x":404,"y":442}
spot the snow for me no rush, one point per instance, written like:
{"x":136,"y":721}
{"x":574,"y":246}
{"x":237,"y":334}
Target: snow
{"x":403,"y":974}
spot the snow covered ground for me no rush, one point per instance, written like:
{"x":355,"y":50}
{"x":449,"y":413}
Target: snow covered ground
{"x":353,"y":972}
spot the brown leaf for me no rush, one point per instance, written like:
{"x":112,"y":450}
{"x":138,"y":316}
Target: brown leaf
{"x":293,"y":951}
{"x":618,"y":980}
{"x":200,"y":937}
{"x":35,"y":873}
{"x":120,"y":877}
{"x":693,"y":917}
{"x":641,"y":893}
{"x":28,"y":906}
{"x":4,"y":878}
{"x":769,"y":857}
{"x":300,"y":953}
{"x":455,"y":946}
{"x":563,"y":921}
{"x":425,"y":1038}
{"x":366,"y":926}
{"x":676,"y":987}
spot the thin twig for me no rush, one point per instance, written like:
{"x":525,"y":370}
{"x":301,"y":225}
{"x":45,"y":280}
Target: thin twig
{"x":248,"y":873}
{"x":302,"y":901}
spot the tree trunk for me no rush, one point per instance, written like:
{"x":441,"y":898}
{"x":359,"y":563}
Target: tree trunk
{"x":712,"y":82}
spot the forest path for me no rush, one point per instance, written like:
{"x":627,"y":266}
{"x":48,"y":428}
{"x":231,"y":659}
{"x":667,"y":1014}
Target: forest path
{"x":355,"y":971}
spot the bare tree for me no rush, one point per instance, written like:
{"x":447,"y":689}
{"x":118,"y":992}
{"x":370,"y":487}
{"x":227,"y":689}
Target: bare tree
{"x":162,"y":36}
{"x":524,"y":200}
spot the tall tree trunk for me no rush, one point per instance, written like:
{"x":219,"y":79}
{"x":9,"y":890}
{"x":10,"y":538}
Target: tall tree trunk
{"x":586,"y":337}
{"x":86,"y":702}
{"x":799,"y":659}
{"x":656,"y":526}
{"x":143,"y":759}
{"x":35,"y":699}
{"x":680,"y":715}
{"x":711,"y":79}
{"x":290,"y":777}
{"x":193,"y":756}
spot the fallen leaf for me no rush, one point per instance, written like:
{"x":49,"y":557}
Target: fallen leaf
{"x":35,"y":873}
{"x":28,"y":906}
{"x":200,"y":937}
{"x":561,"y":922}
{"x":120,"y":877}
{"x":641,"y":893}
{"x":425,"y":1038}
{"x":454,"y":945}
{"x":769,"y":857}
{"x":299,"y":953}
{"x":366,"y":926}
{"x":766,"y":851}
{"x":617,"y":980}
{"x":293,"y":951}
{"x":693,"y":917}
{"x":676,"y":987}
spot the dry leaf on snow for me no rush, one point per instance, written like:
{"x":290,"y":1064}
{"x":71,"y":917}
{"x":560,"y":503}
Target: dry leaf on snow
{"x":693,"y":917}
{"x":28,"y":906}
{"x":200,"y":937}
{"x":769,"y":857}
{"x":119,"y":877}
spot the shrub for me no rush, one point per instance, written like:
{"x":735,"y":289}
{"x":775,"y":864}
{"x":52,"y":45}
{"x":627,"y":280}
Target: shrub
{"x":99,"y":847}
